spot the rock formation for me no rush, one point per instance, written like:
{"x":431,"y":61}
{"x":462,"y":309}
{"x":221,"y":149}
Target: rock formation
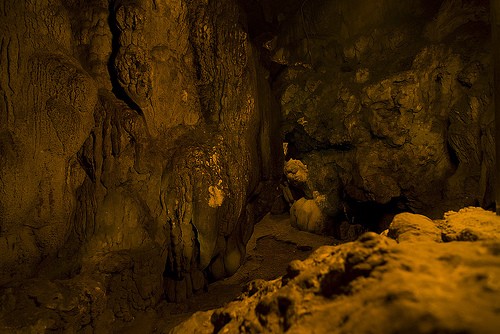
{"x":420,"y":280}
{"x":388,"y":103}
{"x":137,"y":152}
{"x":140,"y":140}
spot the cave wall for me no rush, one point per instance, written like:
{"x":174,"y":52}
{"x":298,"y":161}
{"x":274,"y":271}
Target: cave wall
{"x":137,"y":152}
{"x":138,"y":138}
{"x":386,"y":105}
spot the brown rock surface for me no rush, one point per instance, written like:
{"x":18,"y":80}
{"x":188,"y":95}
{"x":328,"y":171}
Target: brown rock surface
{"x":387,"y":102}
{"x":136,"y":154}
{"x":407,"y":227}
{"x":140,"y":142}
{"x":377,"y":285}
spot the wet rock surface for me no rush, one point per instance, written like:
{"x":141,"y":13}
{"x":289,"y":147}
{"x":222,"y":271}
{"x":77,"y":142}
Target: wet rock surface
{"x":378,"y":285}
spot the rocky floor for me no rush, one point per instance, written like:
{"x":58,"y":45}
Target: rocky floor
{"x":274,"y":244}
{"x":422,"y":276}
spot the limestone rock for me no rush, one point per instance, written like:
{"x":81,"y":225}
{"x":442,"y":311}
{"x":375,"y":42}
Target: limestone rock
{"x":306,"y":215}
{"x":390,"y":113}
{"x":470,"y":224}
{"x":46,"y":116}
{"x":407,"y":227}
{"x":297,"y":174}
{"x":137,"y":148}
{"x":375,"y":285}
{"x":47,"y":305}
{"x":152,"y":69}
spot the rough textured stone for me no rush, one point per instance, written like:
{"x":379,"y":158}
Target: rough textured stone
{"x":470,"y":224}
{"x":375,"y":285}
{"x":139,"y":141}
{"x":407,"y":227}
{"x":391,"y":100}
{"x":46,"y":115}
{"x":306,"y":215}
{"x":136,"y":147}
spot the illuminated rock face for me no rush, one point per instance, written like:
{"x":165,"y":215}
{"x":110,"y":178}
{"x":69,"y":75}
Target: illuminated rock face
{"x":388,"y":104}
{"x":48,"y":103}
{"x":138,"y":139}
{"x":137,"y":152}
{"x":417,"y":281}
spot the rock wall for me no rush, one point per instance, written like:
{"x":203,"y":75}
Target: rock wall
{"x":138,"y":138}
{"x":136,"y":154}
{"x":387,"y":104}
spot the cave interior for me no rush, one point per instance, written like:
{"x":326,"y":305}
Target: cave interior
{"x":249,"y":166}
